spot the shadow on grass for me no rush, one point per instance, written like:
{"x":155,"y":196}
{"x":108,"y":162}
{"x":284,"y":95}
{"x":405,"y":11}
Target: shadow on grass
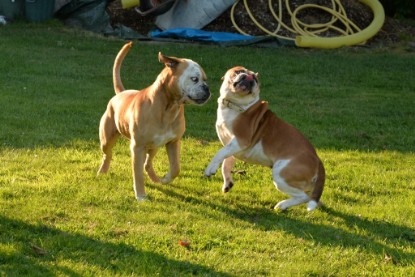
{"x":92,"y":255}
{"x":378,"y":237}
{"x":45,"y":129}
{"x":367,"y":235}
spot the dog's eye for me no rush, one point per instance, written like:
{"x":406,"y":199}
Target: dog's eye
{"x":195,"y":79}
{"x":239,"y":72}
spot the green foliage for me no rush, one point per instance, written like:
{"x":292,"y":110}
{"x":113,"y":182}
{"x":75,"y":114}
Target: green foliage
{"x":58,"y":218}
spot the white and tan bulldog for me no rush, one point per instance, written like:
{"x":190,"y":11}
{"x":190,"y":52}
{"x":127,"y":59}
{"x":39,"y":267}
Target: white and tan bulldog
{"x":251,"y":132}
{"x":152,"y":117}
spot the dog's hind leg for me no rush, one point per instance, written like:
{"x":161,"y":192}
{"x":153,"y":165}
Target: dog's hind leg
{"x":108,"y":135}
{"x":149,"y":165}
{"x":298,"y":196}
{"x":227,"y":167}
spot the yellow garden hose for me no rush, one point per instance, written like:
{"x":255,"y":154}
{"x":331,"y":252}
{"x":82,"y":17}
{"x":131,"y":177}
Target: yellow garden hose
{"x":306,"y":35}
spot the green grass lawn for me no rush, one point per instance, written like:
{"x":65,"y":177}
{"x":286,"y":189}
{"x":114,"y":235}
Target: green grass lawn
{"x":356,"y":105}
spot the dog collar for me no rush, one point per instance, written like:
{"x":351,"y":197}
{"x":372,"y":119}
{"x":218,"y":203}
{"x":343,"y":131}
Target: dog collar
{"x":229,"y":104}
{"x":232,"y":105}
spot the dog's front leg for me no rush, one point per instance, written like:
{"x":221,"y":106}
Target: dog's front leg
{"x":225,"y":152}
{"x":173,"y":152}
{"x":227,"y":167}
{"x":138,"y":155}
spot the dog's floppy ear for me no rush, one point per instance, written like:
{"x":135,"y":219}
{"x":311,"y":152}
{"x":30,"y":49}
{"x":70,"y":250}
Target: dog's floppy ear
{"x":171,"y":62}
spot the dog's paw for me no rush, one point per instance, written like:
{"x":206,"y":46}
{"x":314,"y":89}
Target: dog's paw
{"x":227,"y":187}
{"x":211,"y":169}
{"x":166,"y":179}
{"x":141,"y":198}
{"x":281,"y":206}
{"x":103,"y":170}
{"x":312,"y":205}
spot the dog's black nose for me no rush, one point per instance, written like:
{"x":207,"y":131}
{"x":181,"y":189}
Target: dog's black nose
{"x":205,"y":88}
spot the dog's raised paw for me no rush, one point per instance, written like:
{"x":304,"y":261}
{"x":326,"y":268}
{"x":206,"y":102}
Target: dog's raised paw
{"x":209,"y":172}
{"x":211,"y":169}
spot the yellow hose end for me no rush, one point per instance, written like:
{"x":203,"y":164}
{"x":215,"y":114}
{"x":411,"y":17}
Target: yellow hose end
{"x":126,"y":4}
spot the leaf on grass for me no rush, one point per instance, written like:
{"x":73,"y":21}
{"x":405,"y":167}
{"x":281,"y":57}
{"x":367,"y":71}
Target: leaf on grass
{"x":388,"y":258}
{"x":38,"y":250}
{"x":184,"y":243}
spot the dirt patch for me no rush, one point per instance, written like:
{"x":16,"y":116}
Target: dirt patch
{"x":392,"y":31}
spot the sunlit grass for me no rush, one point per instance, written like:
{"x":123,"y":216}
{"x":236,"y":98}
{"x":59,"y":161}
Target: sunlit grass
{"x":58,"y":218}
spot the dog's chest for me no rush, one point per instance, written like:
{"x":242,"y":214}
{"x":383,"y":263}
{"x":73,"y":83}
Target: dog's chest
{"x":224,"y":121}
{"x":163,"y":138}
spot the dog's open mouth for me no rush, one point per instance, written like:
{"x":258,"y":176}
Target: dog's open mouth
{"x":245,"y":82}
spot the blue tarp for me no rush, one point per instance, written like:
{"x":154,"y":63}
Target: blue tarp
{"x":199,"y":35}
{"x":92,"y":15}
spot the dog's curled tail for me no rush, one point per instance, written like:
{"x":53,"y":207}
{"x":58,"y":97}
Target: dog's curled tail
{"x":116,"y":78}
{"x":318,"y":188}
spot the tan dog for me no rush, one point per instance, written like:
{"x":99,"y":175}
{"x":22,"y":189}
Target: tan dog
{"x":152,"y":117}
{"x":251,"y":132}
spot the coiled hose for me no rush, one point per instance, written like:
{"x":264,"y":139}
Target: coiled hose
{"x":306,"y":35}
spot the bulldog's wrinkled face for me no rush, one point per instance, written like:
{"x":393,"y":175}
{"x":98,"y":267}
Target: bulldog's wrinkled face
{"x":190,"y":80}
{"x":240,"y":83}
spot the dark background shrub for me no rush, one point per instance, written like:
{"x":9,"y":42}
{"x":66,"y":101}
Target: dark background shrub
{"x":399,"y":8}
